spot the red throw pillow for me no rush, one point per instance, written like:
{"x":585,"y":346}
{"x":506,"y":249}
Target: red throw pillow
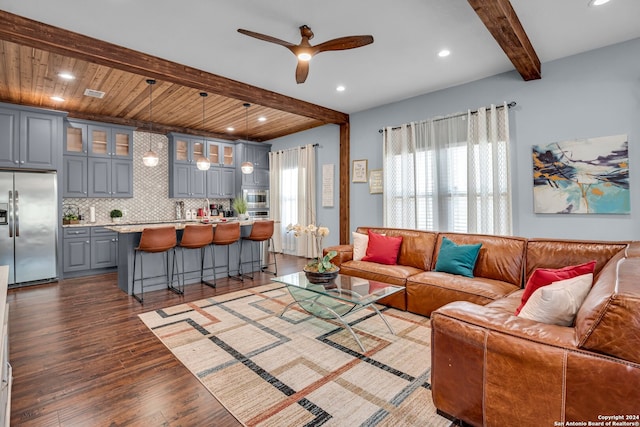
{"x":382,"y":249}
{"x":545,"y":276}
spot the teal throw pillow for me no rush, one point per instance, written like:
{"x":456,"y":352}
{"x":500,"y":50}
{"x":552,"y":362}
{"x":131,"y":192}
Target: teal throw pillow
{"x":457,"y":259}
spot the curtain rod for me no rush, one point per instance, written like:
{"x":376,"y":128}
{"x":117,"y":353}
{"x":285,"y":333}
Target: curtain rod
{"x":302,"y":147}
{"x":509,"y":105}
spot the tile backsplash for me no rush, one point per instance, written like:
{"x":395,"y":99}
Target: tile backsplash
{"x":150,"y":200}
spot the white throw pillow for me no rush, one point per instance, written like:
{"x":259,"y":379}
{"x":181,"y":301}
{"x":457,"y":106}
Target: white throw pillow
{"x":360,"y":243}
{"x":558,"y":303}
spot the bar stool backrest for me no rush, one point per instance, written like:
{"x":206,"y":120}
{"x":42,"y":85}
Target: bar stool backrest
{"x":196,"y":236}
{"x":157,"y":239}
{"x":260,"y":231}
{"x":226,"y":233}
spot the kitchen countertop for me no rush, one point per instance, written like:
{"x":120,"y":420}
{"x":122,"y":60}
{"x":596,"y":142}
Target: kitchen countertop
{"x":166,"y":221}
{"x":179,"y":225}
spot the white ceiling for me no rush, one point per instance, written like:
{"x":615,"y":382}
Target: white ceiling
{"x":401,"y":63}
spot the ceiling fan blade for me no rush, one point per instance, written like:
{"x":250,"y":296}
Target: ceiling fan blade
{"x":343,"y":43}
{"x":265,"y":38}
{"x":302,"y":71}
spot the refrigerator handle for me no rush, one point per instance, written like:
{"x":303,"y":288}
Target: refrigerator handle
{"x":17,"y":212}
{"x":10,"y":213}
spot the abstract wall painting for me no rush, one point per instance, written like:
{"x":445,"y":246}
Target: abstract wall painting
{"x":587,"y":176}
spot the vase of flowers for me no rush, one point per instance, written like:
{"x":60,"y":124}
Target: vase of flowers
{"x":320,"y":269}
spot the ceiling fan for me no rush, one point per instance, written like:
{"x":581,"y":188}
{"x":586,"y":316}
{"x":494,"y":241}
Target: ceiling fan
{"x":304,"y":51}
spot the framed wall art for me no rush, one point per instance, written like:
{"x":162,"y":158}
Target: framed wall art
{"x":375,"y":181}
{"x":359,"y":171}
{"x":587,"y":176}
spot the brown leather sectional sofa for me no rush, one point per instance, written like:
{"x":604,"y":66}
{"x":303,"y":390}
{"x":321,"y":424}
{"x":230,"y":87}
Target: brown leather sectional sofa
{"x":492,"y":368}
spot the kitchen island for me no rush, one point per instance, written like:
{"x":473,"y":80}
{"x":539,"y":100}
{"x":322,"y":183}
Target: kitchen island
{"x":129,"y":238}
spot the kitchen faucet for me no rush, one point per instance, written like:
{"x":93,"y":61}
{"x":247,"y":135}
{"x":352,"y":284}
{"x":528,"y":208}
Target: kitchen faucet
{"x":206,"y":207}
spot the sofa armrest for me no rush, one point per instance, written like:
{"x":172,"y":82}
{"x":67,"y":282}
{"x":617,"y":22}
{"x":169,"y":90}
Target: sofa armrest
{"x":502,"y":362}
{"x":345,"y":253}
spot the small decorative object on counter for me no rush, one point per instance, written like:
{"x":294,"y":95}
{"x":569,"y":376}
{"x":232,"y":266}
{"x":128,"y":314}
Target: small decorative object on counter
{"x":240,"y":206}
{"x":70,"y":215}
{"x":116,"y":215}
{"x":320,"y":269}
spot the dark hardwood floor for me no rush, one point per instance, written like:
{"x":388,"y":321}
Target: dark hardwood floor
{"x":81,"y":356}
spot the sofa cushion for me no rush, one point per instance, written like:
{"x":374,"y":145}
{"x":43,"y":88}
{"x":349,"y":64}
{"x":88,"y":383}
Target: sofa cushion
{"x":500,"y":258}
{"x":545,"y":276}
{"x":608,"y":321}
{"x":392,"y":274}
{"x":383,"y":249}
{"x":430,"y":290}
{"x":558,"y":303}
{"x":457,"y":259}
{"x":417,"y":245}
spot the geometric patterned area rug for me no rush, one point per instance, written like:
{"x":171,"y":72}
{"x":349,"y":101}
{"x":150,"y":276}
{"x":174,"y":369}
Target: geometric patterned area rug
{"x":298,"y":370}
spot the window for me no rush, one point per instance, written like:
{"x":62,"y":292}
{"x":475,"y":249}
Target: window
{"x":447,"y":175}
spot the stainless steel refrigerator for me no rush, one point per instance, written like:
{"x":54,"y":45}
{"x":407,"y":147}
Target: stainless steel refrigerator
{"x":29,"y":226}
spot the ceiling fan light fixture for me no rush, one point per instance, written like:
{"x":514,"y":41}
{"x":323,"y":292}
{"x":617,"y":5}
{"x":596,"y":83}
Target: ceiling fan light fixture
{"x":304,"y":56}
{"x":597,"y":2}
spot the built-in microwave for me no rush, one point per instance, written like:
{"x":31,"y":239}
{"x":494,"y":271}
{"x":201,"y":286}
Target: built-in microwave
{"x":256,"y":198}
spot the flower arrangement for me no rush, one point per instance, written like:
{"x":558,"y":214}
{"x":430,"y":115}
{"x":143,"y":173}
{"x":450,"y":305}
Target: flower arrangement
{"x":321,"y":264}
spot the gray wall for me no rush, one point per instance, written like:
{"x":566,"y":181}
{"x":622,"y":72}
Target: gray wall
{"x":592,"y":94}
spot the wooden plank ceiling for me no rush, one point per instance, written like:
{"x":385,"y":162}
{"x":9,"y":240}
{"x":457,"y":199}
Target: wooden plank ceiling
{"x":32,"y":54}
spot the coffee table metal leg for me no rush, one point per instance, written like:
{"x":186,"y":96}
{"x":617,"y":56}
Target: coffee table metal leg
{"x":332,"y":311}
{"x":383,"y":318}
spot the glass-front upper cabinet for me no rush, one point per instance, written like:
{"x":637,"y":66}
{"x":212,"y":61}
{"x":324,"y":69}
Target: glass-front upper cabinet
{"x":76,"y":139}
{"x":107,"y":141}
{"x":221,"y":154}
{"x":197,"y":150}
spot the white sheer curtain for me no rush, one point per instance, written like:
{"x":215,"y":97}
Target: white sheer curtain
{"x":489,"y":171}
{"x":293,"y":197}
{"x":437,"y":178}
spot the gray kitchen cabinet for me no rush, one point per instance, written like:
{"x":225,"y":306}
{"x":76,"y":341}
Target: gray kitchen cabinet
{"x":258,"y":178}
{"x":76,"y":141}
{"x":110,"y":141}
{"x":29,"y":139}
{"x":75,"y":176}
{"x":110,"y":177}
{"x":104,"y":248}
{"x":108,"y":152}
{"x":257,"y":154}
{"x":221,"y":154}
{"x":187,"y":181}
{"x":221,"y":182}
{"x":76,"y":247}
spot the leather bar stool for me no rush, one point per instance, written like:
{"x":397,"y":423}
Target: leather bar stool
{"x":196,"y":237}
{"x":225,"y":234}
{"x":156,"y":240}
{"x":261,"y":231}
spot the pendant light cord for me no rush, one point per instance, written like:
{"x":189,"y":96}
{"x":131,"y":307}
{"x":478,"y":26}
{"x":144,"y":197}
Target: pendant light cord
{"x":150,"y":82}
{"x":246,"y":119}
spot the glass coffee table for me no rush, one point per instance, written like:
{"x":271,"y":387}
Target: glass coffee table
{"x":344,"y":296}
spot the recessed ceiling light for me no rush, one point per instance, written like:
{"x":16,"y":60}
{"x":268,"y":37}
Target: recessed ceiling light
{"x":340,"y":88}
{"x":262,"y":119}
{"x":598,"y":2}
{"x":231,"y":129}
{"x":66,"y":76}
{"x":57,"y":98}
{"x":443,"y":53}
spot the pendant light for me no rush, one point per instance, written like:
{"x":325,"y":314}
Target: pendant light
{"x":246,"y":167}
{"x":203,"y":162}
{"x":150,"y":158}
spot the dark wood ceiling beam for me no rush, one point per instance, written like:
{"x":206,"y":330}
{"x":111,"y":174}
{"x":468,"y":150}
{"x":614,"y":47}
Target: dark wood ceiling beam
{"x":503,"y":24}
{"x":35,"y":34}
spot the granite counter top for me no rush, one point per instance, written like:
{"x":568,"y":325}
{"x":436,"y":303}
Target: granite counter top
{"x":179,"y":225}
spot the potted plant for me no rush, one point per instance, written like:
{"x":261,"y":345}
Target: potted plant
{"x":70,"y":218}
{"x":240,"y":206}
{"x":116,"y":215}
{"x":320,"y":269}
